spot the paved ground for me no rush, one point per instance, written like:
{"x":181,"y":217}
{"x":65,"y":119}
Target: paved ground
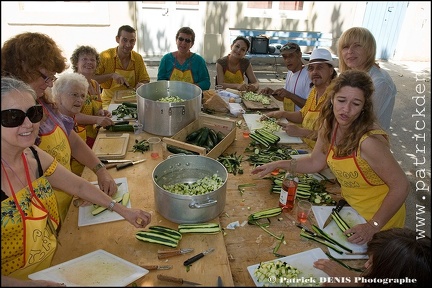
{"x":409,"y":138}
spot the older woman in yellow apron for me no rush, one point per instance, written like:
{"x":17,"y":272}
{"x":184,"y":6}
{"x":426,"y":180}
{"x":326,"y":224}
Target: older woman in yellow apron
{"x":69,"y":93}
{"x":85,"y":60}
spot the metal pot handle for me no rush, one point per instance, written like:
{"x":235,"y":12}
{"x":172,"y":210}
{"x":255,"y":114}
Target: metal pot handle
{"x":210,"y":202}
{"x":182,"y":107}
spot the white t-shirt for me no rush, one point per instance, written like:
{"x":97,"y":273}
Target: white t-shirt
{"x":298,"y":83}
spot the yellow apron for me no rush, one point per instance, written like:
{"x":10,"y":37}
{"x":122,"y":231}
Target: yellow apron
{"x":309,"y":123}
{"x":92,"y":106}
{"x":236,"y":77}
{"x":312,"y":114}
{"x":76,"y":166}
{"x":360,"y":186}
{"x":128,"y":74}
{"x":288,"y":104}
{"x":184,"y":76}
{"x":56,"y":143}
{"x":32,"y":249}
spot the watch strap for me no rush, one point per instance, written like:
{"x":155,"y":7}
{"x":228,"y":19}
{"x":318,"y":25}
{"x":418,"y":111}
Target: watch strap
{"x":99,"y":166}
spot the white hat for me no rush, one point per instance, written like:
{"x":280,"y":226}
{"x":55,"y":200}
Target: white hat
{"x":321,"y":55}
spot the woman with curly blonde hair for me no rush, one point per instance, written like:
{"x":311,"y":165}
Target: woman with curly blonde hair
{"x":358,"y":152}
{"x":85,"y":60}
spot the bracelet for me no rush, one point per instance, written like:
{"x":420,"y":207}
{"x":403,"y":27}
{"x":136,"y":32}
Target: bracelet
{"x":111,"y":205}
{"x":99,"y":166}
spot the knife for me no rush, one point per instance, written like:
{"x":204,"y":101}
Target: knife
{"x":156,"y":267}
{"x":105,"y":161}
{"x":197,"y":257}
{"x":124,"y":165}
{"x":162,"y":254}
{"x":341,"y":203}
{"x":127,"y":86}
{"x":175,"y":280}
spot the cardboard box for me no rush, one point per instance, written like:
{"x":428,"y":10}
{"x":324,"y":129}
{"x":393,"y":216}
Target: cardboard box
{"x":218,"y":124}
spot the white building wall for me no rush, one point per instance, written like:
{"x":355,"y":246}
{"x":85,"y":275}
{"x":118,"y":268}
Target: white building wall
{"x":96,"y":23}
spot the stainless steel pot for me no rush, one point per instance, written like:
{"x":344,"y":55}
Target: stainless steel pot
{"x":188,"y":169}
{"x":166,"y":119}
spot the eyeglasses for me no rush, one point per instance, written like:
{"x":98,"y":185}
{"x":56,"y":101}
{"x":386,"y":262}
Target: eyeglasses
{"x":78,"y":96}
{"x":14,"y":117}
{"x":48,"y":79}
{"x":181,"y":39}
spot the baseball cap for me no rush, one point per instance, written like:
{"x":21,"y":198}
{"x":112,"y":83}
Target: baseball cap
{"x":321,"y":55}
{"x":290,"y":47}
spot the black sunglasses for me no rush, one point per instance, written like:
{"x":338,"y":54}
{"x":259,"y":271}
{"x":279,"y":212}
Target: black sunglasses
{"x":14,"y":117}
{"x":181,"y":39}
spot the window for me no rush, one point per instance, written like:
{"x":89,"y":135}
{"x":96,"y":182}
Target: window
{"x":276,"y":9}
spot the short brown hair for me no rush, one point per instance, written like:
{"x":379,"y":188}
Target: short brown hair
{"x":186,"y":30}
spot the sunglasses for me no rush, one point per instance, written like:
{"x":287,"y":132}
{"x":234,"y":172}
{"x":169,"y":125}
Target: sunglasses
{"x":14,"y":117}
{"x":48,"y":79}
{"x":181,"y":39}
{"x":288,"y":47}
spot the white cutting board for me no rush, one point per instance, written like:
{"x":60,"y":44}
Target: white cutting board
{"x":98,"y":268}
{"x":352,"y":218}
{"x":85,"y":218}
{"x":253,"y":123}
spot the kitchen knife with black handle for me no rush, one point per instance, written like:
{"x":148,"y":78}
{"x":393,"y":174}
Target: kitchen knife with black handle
{"x":341,"y":203}
{"x":197,"y":257}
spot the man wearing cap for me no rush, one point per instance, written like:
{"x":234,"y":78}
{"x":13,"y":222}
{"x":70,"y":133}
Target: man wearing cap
{"x":297,"y":83}
{"x":321,"y":72}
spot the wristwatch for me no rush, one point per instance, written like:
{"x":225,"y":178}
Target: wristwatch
{"x":98,"y":166}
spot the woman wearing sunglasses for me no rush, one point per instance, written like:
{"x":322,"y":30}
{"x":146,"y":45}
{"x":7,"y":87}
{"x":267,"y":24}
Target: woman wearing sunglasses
{"x":30,"y":216}
{"x":183,"y":65}
{"x":35,"y":58}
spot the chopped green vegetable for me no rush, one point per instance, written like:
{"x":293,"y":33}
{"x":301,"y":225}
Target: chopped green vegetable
{"x":200,"y":187}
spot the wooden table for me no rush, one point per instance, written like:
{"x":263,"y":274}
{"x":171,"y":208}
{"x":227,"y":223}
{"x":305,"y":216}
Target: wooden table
{"x":235,"y":249}
{"x":119,"y":239}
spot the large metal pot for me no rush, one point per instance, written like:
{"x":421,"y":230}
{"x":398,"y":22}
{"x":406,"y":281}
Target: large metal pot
{"x":188,"y":169}
{"x":166,"y":119}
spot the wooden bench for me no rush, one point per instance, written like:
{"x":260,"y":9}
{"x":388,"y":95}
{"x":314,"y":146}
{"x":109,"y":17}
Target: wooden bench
{"x":277,"y":38}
